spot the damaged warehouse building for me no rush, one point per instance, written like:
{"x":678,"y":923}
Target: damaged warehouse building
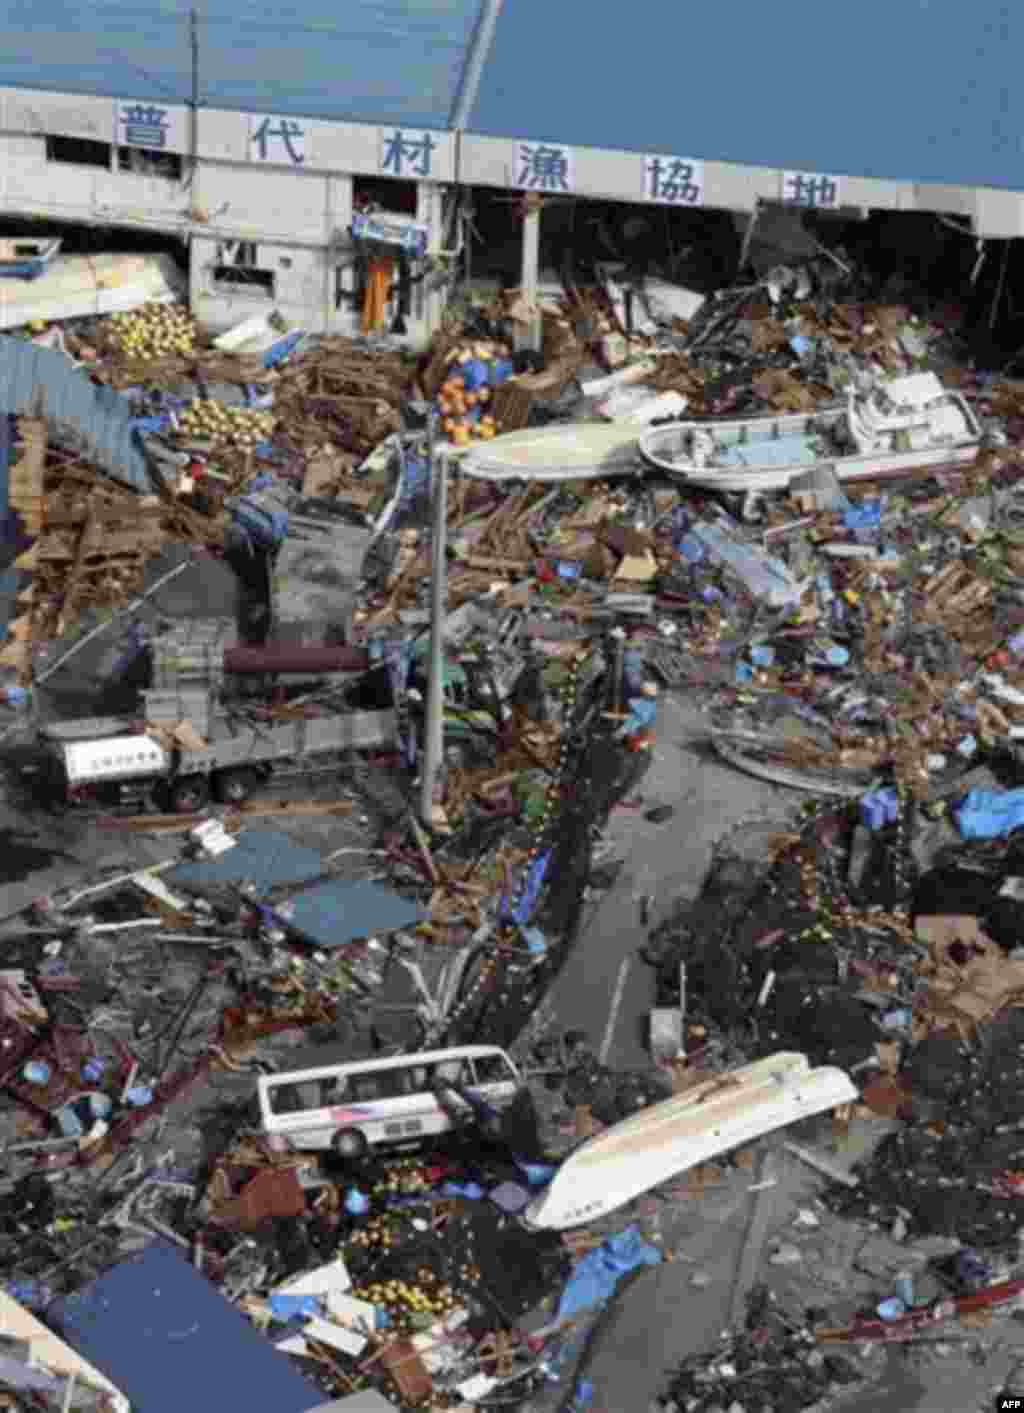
{"x":511,"y":891}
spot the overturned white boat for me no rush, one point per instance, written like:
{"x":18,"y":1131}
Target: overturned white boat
{"x":662,"y":1141}
{"x":577,"y":451}
{"x":73,"y":286}
{"x":893,"y":425}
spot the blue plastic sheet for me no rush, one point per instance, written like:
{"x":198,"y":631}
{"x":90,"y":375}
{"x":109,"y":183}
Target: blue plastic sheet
{"x":880,"y":808}
{"x":286,"y":1307}
{"x":642,"y":713}
{"x":520,"y":912}
{"x":989,"y":814}
{"x":536,"y":942}
{"x":599,"y":1272}
{"x":865,"y":516}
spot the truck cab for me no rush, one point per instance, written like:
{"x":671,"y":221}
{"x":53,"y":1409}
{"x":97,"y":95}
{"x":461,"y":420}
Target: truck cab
{"x":112,"y":770}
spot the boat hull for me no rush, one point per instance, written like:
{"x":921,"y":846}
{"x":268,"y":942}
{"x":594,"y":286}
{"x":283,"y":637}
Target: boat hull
{"x":576,"y":452}
{"x":74,"y":286}
{"x":662,"y":447}
{"x":667,"y":1139}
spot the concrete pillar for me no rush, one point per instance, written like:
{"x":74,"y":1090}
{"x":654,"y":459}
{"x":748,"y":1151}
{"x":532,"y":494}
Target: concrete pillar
{"x":528,"y":335}
{"x":428,"y":305}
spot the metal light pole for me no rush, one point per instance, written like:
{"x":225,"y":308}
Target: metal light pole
{"x":433,"y":745}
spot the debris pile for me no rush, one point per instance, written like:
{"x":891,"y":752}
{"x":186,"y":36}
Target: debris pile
{"x":193,"y":1050}
{"x":775,"y":1362}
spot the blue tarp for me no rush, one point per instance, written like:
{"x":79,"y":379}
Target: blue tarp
{"x":340,"y":911}
{"x":264,"y":857}
{"x":165,"y":1336}
{"x":597,"y":1274}
{"x":989,"y":814}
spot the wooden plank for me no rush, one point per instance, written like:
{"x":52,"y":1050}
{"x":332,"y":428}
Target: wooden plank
{"x":753,"y":1242}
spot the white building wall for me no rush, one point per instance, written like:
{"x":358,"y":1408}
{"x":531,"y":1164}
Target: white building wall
{"x":256,"y":180}
{"x":286,"y":186}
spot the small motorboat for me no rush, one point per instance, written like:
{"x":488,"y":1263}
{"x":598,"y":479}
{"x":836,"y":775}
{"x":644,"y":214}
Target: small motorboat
{"x":23,"y":258}
{"x":575,"y":451}
{"x":891,"y":425}
{"x":660,"y":1142}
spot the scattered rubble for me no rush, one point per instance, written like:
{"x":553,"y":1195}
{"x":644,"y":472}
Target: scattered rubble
{"x":860,"y":643}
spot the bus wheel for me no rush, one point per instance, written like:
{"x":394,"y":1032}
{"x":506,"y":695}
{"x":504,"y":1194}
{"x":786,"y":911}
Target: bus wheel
{"x":189,"y":794}
{"x":233,"y":787}
{"x":350,"y":1143}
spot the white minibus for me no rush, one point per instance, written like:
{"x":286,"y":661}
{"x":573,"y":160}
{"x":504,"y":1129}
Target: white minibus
{"x":355,"y":1106}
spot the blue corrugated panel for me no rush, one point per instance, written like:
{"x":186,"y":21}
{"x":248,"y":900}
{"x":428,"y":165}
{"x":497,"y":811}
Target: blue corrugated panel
{"x":36,"y":381}
{"x":372,"y":61}
{"x":264,"y":857}
{"x":926,"y":92}
{"x":170,"y":1342}
{"x":341,"y":911}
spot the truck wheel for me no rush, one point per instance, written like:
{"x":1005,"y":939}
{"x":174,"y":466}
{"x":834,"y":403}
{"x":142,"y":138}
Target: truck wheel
{"x":189,"y":794}
{"x":233,"y":787}
{"x":350,"y":1143}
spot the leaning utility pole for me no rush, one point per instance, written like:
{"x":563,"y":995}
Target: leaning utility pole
{"x":433,"y":744}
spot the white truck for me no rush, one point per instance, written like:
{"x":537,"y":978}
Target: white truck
{"x":114,"y":762}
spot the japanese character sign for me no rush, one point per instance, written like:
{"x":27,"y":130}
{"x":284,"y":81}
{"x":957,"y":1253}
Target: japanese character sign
{"x":406,"y":154}
{"x":142,"y":125}
{"x":278,"y":140}
{"x":542,"y":166}
{"x":674,"y":181}
{"x":810,"y":189}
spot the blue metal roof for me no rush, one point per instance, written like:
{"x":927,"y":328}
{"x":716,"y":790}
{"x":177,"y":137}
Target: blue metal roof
{"x":371,"y":61}
{"x":342,"y":910}
{"x":166,"y":1337}
{"x":925,"y":91}
{"x":40,"y":381}
{"x":265,"y":857}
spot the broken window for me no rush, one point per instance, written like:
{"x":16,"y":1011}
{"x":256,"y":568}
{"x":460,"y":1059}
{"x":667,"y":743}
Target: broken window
{"x":237,"y":268}
{"x":148,"y":162}
{"x":79,"y":151}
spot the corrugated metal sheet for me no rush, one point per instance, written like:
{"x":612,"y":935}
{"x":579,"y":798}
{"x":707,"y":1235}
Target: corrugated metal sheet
{"x":265,"y":857}
{"x":41,"y":382}
{"x":162,"y":1333}
{"x":341,"y":911}
{"x":925,"y":92}
{"x":371,"y":61}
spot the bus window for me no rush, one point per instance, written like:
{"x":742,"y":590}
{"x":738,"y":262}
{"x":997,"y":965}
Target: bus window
{"x":454,"y":1072}
{"x":284,"y":1099}
{"x":493,"y":1069}
{"x":382,"y":1085}
{"x":332,"y":1090}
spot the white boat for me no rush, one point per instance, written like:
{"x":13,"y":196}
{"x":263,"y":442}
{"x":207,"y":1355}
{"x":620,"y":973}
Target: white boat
{"x":658,"y":1143}
{"x":576,"y":451}
{"x":893,"y":425}
{"x":25,"y":258}
{"x":73,"y":286}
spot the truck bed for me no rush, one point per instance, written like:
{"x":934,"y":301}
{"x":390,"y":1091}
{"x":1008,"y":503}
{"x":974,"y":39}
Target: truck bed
{"x":290,"y":740}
